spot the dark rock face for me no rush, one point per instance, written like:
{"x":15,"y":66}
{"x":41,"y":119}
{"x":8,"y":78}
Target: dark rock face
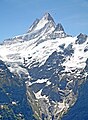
{"x":47,"y":70}
{"x":81,"y":38}
{"x":5,"y":74}
{"x":86,"y":67}
{"x":79,"y":110}
{"x":61,"y":84}
{"x":59,"y":27}
{"x":68,"y":51}
{"x":13,"y":102}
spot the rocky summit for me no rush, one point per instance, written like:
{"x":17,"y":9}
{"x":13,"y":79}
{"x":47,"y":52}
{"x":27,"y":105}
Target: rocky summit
{"x":41,"y":72}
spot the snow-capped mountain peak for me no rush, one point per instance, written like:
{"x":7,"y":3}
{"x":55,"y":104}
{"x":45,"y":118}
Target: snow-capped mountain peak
{"x":40,"y":24}
{"x":44,"y":28}
{"x":53,"y":63}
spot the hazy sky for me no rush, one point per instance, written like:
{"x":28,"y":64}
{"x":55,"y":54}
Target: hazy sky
{"x":17,"y":15}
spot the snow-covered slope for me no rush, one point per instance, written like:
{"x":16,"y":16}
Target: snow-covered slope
{"x":55,"y":64}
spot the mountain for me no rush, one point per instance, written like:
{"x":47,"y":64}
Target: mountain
{"x":41,"y":71}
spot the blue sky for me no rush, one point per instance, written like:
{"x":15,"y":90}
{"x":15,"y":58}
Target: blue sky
{"x":16,"y":16}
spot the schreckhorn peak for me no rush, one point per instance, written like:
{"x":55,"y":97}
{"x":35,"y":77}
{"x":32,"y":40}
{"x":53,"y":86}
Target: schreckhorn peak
{"x":42,"y":68}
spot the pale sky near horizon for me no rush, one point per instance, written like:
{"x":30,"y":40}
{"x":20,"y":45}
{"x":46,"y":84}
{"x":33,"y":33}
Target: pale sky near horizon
{"x":16,"y":16}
